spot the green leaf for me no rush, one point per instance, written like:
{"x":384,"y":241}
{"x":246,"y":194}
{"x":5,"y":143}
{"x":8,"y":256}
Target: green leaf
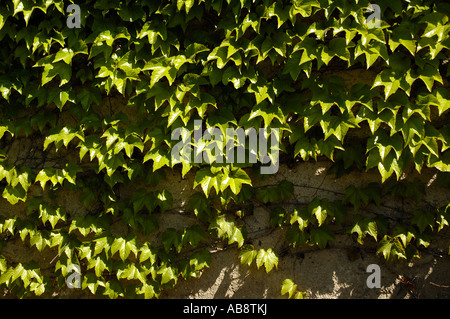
{"x":364,"y":226}
{"x":318,"y":211}
{"x":124,"y":246}
{"x":147,"y":253}
{"x":147,"y":290}
{"x":234,"y":180}
{"x":160,"y":158}
{"x":268,"y":258}
{"x":113,"y":289}
{"x":62,"y":136}
{"x":64,"y":54}
{"x":267,"y":194}
{"x":99,"y":264}
{"x":296,"y":237}
{"x":199,"y":204}
{"x":247,"y":254}
{"x":167,"y":273}
{"x":321,"y":236}
{"x":102,"y":244}
{"x":389,"y":80}
{"x":288,"y":287}
{"x":14,"y":194}
{"x":3,"y":265}
{"x":63,"y":70}
{"x":301,"y":217}
{"x":422,"y":219}
{"x":267,"y":111}
{"x":164,"y":200}
{"x":355,"y":196}
{"x":200,"y":259}
{"x":226,"y":228}
{"x":171,"y":237}
{"x":429,"y":74}
{"x":206,"y":179}
{"x":391,"y":247}
{"x":193,"y":235}
{"x":89,"y":96}
{"x":236,"y":236}
{"x":277,"y":216}
{"x":443,"y":217}
{"x":385,"y":247}
{"x":131,"y":272}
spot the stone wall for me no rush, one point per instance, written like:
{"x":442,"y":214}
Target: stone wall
{"x":338,"y":271}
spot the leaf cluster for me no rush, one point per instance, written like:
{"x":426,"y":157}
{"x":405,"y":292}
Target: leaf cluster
{"x":89,"y":113}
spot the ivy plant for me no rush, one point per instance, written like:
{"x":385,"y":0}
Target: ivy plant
{"x":88,"y":109}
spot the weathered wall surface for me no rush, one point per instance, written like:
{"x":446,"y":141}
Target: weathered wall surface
{"x":338,"y":271}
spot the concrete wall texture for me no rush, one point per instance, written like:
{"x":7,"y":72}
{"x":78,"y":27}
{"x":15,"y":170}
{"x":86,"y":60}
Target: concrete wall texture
{"x":338,"y":271}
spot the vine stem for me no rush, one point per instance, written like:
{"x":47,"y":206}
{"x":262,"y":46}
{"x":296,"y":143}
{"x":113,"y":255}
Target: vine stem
{"x":440,"y":286}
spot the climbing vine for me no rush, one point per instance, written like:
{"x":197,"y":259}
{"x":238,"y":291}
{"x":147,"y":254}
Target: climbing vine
{"x":230,"y":64}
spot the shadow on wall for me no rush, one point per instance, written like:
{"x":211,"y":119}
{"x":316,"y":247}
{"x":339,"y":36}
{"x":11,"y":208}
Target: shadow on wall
{"x":327,"y":273}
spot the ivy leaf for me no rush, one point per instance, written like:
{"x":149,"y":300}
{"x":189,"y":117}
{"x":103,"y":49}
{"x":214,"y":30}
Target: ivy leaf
{"x":422,"y":219}
{"x":372,"y":52}
{"x":226,"y":228}
{"x":267,"y":194}
{"x":364,"y":226}
{"x":141,"y":198}
{"x":89,"y":96}
{"x":193,"y":235}
{"x":64,"y":54}
{"x":14,"y":194}
{"x":321,"y":236}
{"x":131,"y":272}
{"x":247,"y":254}
{"x":317,"y":210}
{"x":99,"y":264}
{"x":267,"y":111}
{"x":63,"y":70}
{"x":429,"y":74}
{"x":437,"y":24}
{"x":268,"y":258}
{"x":147,"y":253}
{"x":443,"y":217}
{"x":164,"y":200}
{"x":124,"y":246}
{"x":389,"y":166}
{"x":171,"y":237}
{"x":413,"y":126}
{"x":62,"y":136}
{"x":296,"y":237}
{"x":200,"y":259}
{"x":288,"y":287}
{"x":301,"y":217}
{"x":389,"y":247}
{"x":113,"y":289}
{"x":389,"y":80}
{"x":199,"y":204}
{"x":167,"y":273}
{"x":236,"y":236}
{"x":355,"y":196}
{"x":102,"y":244}
{"x":206,"y":179}
{"x":159,"y":156}
{"x":339,"y":47}
{"x":277,"y":216}
{"x":234,"y":180}
{"x":404,"y":233}
{"x":147,"y":290}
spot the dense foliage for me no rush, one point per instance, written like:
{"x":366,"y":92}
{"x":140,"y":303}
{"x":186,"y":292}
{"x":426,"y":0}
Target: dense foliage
{"x":232,"y":63}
